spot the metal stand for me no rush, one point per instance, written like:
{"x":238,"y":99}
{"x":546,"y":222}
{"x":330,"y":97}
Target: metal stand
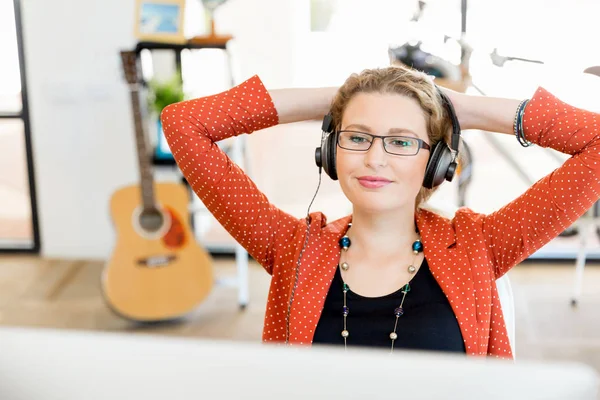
{"x":584,"y":225}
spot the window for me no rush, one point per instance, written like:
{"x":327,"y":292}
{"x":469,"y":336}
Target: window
{"x":18,"y":218}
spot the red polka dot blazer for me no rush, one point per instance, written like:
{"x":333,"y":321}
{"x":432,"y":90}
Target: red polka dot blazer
{"x":466,"y":253}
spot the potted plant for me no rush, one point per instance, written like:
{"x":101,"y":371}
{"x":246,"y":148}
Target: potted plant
{"x":161,"y":94}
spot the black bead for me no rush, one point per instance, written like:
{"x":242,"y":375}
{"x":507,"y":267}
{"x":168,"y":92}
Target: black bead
{"x":417,"y":246}
{"x":345,"y":242}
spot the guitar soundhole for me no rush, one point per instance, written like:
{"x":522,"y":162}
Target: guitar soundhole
{"x":151,"y":220}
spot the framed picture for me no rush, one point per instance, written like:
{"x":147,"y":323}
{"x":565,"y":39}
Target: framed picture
{"x":160,"y":20}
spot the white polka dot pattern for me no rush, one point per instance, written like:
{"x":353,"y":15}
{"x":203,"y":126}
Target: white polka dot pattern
{"x":465,"y":254}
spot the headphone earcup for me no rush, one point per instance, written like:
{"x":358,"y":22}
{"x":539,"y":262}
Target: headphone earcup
{"x":328,"y":154}
{"x":319,"y":157}
{"x":325,"y":155}
{"x":439,"y":166}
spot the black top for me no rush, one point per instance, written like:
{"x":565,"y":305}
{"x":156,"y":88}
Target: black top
{"x":428,"y":322}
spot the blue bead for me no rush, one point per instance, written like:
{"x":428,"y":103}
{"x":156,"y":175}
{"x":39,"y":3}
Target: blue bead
{"x":346,"y":311}
{"x":417,"y":246}
{"x":345,"y":242}
{"x":399,"y":311}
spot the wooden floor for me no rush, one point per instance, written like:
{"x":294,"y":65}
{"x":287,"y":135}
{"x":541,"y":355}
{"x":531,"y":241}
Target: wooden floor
{"x":39,"y":292}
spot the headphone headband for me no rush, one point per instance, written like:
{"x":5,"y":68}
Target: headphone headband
{"x":455,"y":138}
{"x":327,"y":123}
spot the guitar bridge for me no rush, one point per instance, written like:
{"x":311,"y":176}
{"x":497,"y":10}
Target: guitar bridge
{"x":156,"y":261}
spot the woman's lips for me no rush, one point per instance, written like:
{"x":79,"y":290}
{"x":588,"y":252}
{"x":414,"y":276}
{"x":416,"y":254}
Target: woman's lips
{"x":373,"y":182}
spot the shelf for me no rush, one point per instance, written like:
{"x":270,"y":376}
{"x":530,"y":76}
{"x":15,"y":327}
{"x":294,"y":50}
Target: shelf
{"x":178,"y":46}
{"x":163,"y":161}
{"x":11,"y":115}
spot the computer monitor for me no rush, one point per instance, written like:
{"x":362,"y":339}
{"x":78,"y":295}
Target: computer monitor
{"x":77,"y":365}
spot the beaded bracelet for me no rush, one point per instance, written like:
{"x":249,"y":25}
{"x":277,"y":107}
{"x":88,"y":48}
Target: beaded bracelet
{"x":518,"y":124}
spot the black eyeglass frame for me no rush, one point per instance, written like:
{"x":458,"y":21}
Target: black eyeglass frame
{"x":422,"y":144}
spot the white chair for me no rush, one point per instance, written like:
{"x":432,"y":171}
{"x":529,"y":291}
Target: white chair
{"x":507,"y":301}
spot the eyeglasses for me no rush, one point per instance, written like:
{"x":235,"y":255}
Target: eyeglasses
{"x":397,"y":145}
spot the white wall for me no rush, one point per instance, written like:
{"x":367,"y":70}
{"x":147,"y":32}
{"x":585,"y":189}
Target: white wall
{"x":82,"y":126}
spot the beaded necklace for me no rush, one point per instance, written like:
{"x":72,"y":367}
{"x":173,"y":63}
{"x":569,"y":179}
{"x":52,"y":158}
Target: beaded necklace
{"x":345,"y":243}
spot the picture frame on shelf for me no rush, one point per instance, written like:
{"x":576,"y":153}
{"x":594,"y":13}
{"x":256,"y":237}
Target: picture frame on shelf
{"x":160,"y":21}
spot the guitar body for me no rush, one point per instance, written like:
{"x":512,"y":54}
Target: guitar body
{"x":157,"y":271}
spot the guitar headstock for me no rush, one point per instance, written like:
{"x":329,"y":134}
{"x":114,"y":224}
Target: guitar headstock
{"x":129,"y":61}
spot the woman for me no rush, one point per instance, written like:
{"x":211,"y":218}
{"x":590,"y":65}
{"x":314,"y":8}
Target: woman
{"x":391,"y":274}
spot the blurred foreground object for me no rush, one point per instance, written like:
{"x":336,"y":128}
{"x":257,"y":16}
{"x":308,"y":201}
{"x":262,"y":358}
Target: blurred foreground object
{"x":68,"y":365}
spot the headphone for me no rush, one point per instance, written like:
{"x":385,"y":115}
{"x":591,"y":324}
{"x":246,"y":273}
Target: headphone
{"x":442,"y":161}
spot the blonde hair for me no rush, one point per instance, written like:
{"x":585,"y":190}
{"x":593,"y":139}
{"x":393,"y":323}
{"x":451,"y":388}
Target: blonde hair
{"x":406,"y":82}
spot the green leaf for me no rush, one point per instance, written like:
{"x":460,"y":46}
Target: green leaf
{"x":164,"y":93}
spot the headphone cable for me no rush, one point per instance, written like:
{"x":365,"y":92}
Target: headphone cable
{"x":287,"y":319}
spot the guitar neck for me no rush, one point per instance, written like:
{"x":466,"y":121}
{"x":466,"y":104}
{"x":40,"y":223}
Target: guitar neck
{"x":144,"y":164}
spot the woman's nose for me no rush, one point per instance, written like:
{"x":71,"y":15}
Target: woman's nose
{"x":376,"y":155}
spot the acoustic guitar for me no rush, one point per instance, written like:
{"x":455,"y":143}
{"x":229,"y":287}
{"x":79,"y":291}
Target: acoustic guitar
{"x":157,"y":271}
